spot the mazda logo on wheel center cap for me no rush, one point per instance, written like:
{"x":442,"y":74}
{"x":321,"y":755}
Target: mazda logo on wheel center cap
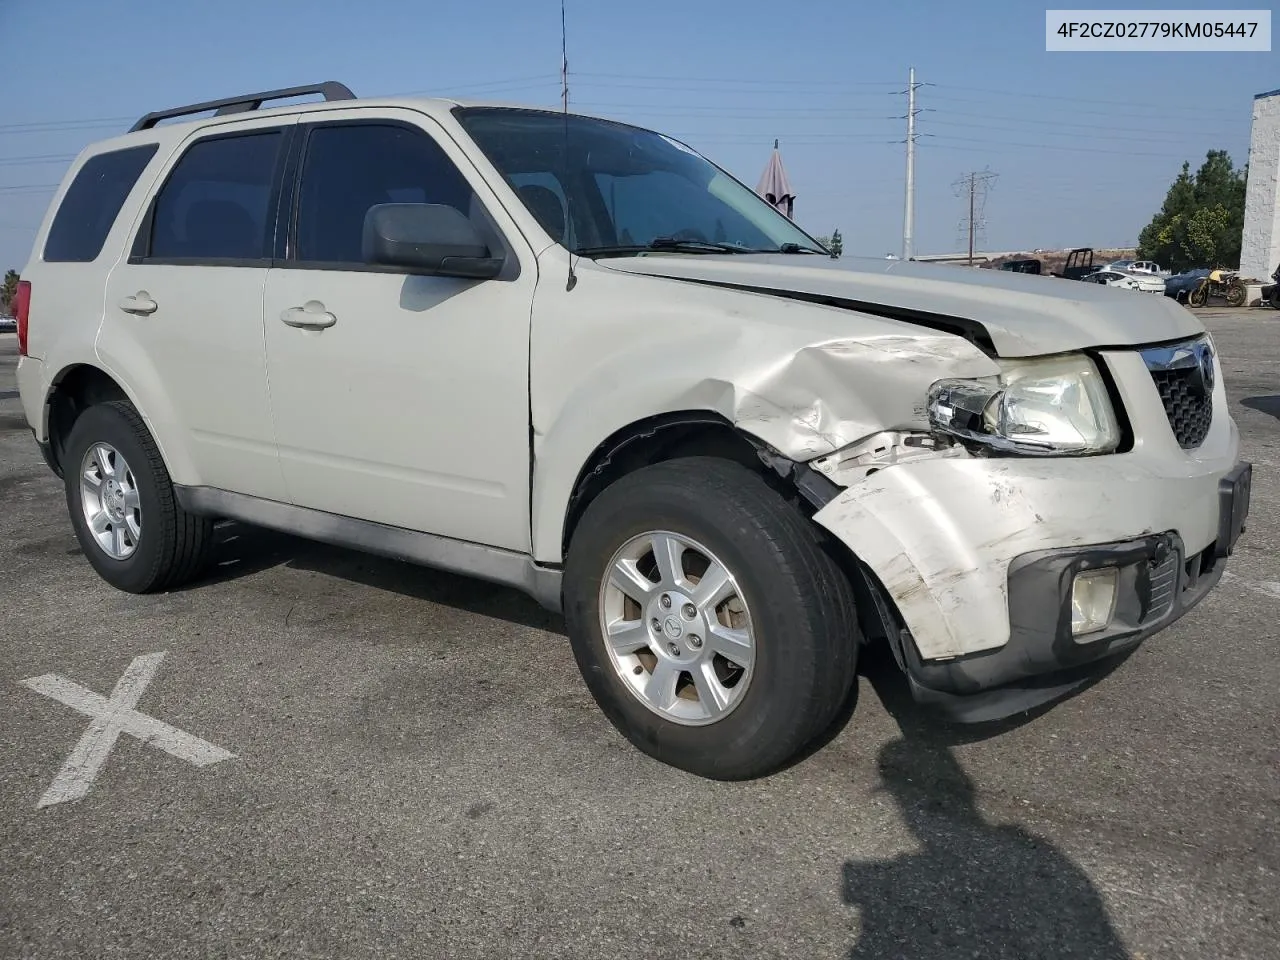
{"x":672,"y":628}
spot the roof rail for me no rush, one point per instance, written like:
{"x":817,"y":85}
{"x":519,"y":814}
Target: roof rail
{"x":331,"y":89}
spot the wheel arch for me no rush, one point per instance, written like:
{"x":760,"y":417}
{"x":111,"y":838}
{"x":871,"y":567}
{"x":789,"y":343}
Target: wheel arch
{"x":75,"y":388}
{"x":652,"y":440}
{"x":676,"y":434}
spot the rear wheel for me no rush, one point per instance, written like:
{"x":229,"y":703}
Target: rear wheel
{"x":122,"y":504}
{"x":709,"y":622}
{"x":1236,"y":293}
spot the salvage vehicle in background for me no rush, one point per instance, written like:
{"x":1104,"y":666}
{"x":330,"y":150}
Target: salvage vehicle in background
{"x":1079,"y":264}
{"x":1137,"y":266}
{"x":1126,"y":281}
{"x":1222,"y":284}
{"x":575,"y":357}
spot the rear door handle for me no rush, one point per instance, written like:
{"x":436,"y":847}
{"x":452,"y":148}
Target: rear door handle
{"x":140,"y":303}
{"x":310,"y":316}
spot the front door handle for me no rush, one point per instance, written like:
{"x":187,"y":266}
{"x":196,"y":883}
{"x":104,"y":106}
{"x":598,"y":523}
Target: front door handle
{"x":140,"y":303}
{"x":310,"y":316}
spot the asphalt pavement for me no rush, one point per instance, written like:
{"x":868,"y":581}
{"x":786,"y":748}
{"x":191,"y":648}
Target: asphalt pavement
{"x":406,"y":764}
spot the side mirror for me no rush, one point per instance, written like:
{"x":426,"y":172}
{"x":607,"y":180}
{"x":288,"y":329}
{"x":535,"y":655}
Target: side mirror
{"x":427,"y":238}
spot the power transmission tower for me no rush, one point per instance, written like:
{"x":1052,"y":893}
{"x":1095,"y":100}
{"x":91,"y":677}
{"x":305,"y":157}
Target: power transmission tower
{"x":973,"y":187}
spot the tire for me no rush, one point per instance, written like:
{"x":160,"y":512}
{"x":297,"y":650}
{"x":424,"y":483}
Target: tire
{"x":1198,"y":296}
{"x":1236,"y":293}
{"x":158,"y":545}
{"x":799,"y":615}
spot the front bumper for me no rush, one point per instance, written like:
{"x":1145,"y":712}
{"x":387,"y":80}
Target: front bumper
{"x":1159,"y":582}
{"x":978,"y":556}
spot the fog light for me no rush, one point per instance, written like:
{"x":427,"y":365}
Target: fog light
{"x":1093,"y":600}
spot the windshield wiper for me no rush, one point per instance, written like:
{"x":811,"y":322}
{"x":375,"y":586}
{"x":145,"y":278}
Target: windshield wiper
{"x":800,"y":248}
{"x":663,"y":243}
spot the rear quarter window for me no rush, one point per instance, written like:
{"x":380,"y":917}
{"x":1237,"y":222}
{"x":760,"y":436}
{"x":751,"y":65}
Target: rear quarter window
{"x":93,"y":202}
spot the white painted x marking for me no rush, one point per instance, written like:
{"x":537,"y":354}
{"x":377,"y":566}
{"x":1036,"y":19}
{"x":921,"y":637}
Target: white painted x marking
{"x":110,"y":718}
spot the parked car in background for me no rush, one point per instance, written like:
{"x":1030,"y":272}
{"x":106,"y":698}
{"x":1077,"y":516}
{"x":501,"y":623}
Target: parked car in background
{"x":1127,"y":281}
{"x":8,"y":324}
{"x":1180,"y":285}
{"x":1149,"y":267}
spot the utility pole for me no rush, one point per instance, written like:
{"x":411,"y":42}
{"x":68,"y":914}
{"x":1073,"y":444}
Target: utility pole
{"x":564,"y":64}
{"x":973,"y":181}
{"x":909,"y":216}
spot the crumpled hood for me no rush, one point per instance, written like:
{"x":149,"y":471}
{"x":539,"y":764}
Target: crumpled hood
{"x":1023,"y":315}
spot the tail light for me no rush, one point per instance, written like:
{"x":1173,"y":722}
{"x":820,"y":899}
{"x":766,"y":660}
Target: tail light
{"x":22,"y":310}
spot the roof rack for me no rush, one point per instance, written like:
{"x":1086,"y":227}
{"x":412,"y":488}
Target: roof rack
{"x":331,"y":89}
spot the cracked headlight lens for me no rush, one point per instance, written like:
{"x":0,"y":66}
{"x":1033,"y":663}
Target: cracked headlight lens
{"x":1055,"y":406}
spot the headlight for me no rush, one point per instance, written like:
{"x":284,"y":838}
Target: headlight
{"x":1045,"y":407}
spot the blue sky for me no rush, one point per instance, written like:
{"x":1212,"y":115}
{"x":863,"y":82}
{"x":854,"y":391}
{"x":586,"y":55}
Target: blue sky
{"x":1085,"y":144}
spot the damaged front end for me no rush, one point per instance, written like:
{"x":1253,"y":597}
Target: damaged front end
{"x":1015,"y":536}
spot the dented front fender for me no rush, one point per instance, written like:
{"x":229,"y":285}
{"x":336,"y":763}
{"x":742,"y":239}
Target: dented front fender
{"x":805,"y":380}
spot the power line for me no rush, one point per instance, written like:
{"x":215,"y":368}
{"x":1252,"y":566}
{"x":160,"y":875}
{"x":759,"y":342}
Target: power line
{"x":33,"y":161}
{"x":1049,"y":146}
{"x":1102,"y":135}
{"x":1035,"y":96}
{"x":1117,"y":113}
{"x":1059,"y":123}
{"x":747,"y":80}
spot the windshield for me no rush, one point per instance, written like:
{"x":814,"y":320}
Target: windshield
{"x":619,"y":189}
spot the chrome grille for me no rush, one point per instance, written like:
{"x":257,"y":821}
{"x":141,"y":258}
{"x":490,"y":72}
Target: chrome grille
{"x":1184,"y":375}
{"x":1164,"y":582}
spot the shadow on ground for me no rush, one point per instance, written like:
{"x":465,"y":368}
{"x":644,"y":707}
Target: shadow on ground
{"x":241,"y":550}
{"x":972,"y":888}
{"x":1264,"y":404}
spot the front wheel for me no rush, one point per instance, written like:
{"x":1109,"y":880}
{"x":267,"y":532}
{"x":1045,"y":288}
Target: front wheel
{"x":708,"y":618}
{"x":1198,"y":296}
{"x":1236,"y":293}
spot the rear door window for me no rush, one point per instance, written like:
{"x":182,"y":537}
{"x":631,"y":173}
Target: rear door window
{"x":93,"y":202}
{"x":219,"y":202}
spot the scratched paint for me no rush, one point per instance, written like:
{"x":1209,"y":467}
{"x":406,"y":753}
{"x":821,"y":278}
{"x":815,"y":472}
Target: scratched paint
{"x":109,"y":718}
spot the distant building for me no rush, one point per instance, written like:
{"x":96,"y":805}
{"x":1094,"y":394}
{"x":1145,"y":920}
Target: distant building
{"x":1260,"y":250}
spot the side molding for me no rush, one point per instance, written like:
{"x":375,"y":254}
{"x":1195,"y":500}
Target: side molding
{"x":506,"y":567}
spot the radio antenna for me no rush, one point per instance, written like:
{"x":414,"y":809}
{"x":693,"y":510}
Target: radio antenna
{"x":564,"y":104}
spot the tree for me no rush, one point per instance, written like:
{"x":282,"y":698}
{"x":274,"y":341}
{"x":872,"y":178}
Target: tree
{"x":9,"y":290}
{"x":834,"y":243}
{"x":1202,"y":220}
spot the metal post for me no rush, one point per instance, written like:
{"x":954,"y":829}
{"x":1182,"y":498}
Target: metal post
{"x":908,"y":221}
{"x":973,"y":180}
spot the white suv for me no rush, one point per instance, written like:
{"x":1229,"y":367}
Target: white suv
{"x":576,"y":357}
